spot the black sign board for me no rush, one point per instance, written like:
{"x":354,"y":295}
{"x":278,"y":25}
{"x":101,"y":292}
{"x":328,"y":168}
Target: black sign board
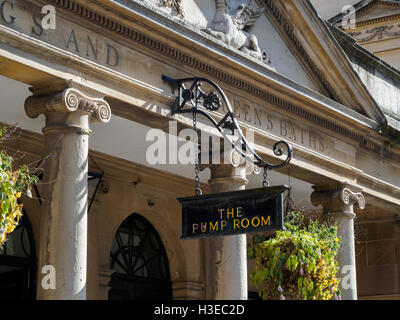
{"x":235,"y":212}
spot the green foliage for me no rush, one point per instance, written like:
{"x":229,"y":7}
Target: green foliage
{"x":13,"y":182}
{"x":297,"y":263}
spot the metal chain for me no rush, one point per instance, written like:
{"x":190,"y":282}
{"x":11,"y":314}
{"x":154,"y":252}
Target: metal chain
{"x":290,"y":205}
{"x":265,"y":178}
{"x":196,"y":155}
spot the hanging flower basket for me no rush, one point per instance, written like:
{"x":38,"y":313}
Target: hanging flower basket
{"x":13,"y":182}
{"x":297,"y":263}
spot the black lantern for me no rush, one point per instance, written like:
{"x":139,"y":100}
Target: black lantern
{"x":94,"y":179}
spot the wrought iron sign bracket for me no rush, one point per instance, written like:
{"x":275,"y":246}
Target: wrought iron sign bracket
{"x":192,"y":98}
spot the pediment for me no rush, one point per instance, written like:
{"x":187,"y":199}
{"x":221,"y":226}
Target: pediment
{"x":277,"y":55}
{"x":297,"y":43}
{"x":370,"y":12}
{"x":377,"y":9}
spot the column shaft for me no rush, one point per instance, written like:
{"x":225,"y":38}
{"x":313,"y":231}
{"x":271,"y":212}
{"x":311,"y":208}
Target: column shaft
{"x":64,"y":212}
{"x":228,"y":254}
{"x":346,"y":257}
{"x":339,"y":204}
{"x":63,"y":234}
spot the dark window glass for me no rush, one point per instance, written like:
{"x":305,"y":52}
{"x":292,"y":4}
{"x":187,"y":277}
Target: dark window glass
{"x":18,"y":264}
{"x":140,"y":261}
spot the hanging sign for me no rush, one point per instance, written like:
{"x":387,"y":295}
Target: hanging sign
{"x":230,"y":213}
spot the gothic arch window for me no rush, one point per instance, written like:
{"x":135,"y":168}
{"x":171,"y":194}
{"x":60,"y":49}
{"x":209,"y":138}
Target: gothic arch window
{"x":18,"y":264}
{"x":138,"y":256}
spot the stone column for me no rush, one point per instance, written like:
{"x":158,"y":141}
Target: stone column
{"x":63,"y":233}
{"x":339,"y":204}
{"x":227,"y":264}
{"x":396,"y":235}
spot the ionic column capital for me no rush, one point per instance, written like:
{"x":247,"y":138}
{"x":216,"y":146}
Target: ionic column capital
{"x":66,"y":101}
{"x":352,"y":198}
{"x":238,"y":161}
{"x":341,"y":200}
{"x":233,"y":159}
{"x":227,"y":177}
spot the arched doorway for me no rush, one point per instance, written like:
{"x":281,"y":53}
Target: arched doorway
{"x":139,"y":258}
{"x":18,"y":264}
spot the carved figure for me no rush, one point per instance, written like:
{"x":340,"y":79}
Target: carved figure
{"x":174,"y":4}
{"x":231,"y":28}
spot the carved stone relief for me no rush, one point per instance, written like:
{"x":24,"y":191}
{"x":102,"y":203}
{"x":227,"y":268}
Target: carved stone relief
{"x":376,"y":32}
{"x":174,"y":5}
{"x":231,"y":25}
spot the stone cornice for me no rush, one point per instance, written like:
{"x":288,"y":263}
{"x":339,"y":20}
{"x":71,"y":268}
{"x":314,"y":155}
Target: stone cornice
{"x":377,"y":3}
{"x":181,"y":57}
{"x":379,"y":193}
{"x":328,"y":55}
{"x":362,"y":8}
{"x":390,"y":18}
{"x":286,"y":29}
{"x":350,"y":45}
{"x":151,"y":42}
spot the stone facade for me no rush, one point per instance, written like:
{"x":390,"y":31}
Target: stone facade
{"x":376,"y":28}
{"x":96,"y":78}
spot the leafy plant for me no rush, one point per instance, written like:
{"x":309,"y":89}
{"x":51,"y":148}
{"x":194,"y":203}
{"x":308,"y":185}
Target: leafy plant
{"x":13,"y":182}
{"x":297,"y":263}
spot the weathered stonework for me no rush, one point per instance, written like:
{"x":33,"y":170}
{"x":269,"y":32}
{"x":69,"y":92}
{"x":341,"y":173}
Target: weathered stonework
{"x":339,"y":205}
{"x":377,"y":33}
{"x":63,"y":232}
{"x":174,"y":4}
{"x":113,"y":58}
{"x":69,"y":100}
{"x":230,"y":27}
{"x":118,"y":53}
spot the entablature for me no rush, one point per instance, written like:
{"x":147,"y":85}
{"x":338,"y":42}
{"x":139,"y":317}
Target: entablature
{"x":133,"y":53}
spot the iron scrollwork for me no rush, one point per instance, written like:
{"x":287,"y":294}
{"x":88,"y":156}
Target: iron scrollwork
{"x":191,"y":97}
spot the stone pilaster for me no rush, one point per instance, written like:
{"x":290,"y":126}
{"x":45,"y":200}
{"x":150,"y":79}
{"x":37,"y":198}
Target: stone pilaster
{"x":187,"y":290}
{"x":63,"y":234}
{"x":396,"y":234}
{"x":339,"y":204}
{"x":104,"y":282}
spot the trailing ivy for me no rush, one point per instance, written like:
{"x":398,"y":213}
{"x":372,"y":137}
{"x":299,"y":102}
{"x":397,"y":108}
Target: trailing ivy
{"x":13,"y":182}
{"x":297,"y":263}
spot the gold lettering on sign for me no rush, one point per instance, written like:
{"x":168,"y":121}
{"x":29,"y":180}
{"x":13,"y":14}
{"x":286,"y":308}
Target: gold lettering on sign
{"x":235,"y":215}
